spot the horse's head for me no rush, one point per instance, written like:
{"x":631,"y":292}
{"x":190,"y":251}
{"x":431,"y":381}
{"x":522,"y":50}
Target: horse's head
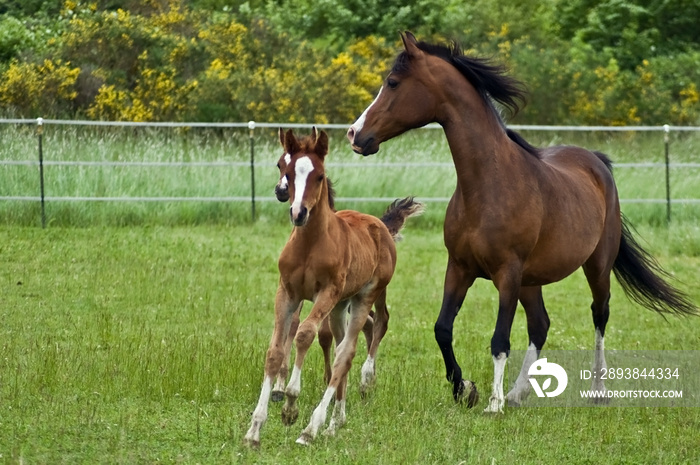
{"x":304,"y":173}
{"x":405,"y":101}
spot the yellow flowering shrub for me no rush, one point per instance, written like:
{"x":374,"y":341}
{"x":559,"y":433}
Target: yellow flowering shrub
{"x":33,"y":90}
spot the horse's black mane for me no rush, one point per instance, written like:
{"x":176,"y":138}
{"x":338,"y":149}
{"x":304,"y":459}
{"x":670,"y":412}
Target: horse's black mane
{"x":490,"y":81}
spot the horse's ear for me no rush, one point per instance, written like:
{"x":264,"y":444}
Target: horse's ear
{"x":314,"y":133}
{"x":321,"y":147}
{"x":409,"y":43}
{"x":281,"y":136}
{"x":291,"y":144}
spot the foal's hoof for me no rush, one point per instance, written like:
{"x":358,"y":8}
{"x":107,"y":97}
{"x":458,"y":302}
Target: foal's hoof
{"x":252,"y":443}
{"x":305,"y":439}
{"x":289,"y":415}
{"x":467,"y":392}
{"x":277,"y":396}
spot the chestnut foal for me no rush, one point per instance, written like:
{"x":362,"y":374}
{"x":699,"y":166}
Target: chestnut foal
{"x":338,"y":260}
{"x":325,"y":336}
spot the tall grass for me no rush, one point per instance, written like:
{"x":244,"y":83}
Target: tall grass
{"x":145,"y":345}
{"x":366,"y":177}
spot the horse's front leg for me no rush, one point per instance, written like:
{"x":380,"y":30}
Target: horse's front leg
{"x":457,"y":282}
{"x":284,"y":310}
{"x":306,"y":333}
{"x":508,"y":284}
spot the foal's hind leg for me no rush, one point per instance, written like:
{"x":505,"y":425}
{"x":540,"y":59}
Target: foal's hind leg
{"x":379,"y":327}
{"x":325,"y":340}
{"x":278,"y":390}
{"x":537,"y":327}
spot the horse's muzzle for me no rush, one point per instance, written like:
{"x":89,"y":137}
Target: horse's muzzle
{"x":363,"y":147}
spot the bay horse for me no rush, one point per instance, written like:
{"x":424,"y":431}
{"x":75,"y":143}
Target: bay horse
{"x":325,"y":336}
{"x":340,"y":261}
{"x":520,"y":216}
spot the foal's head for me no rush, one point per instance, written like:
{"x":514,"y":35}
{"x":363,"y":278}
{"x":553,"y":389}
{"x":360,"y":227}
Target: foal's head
{"x":304,"y":173}
{"x":282,"y":187}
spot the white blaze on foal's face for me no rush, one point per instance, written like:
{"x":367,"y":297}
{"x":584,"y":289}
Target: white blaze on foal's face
{"x":302,"y":169}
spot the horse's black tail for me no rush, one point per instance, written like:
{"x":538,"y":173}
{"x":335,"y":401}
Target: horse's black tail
{"x":643,"y":281}
{"x":396,"y":214}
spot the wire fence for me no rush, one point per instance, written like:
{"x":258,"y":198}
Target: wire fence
{"x":40,"y":197}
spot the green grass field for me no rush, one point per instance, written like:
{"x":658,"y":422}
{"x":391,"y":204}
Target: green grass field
{"x":146,"y":345}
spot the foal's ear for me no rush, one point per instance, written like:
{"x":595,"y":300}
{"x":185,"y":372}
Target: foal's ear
{"x":291,"y":144}
{"x":281,"y":136}
{"x":321,"y":148}
{"x":409,"y":43}
{"x":314,"y":133}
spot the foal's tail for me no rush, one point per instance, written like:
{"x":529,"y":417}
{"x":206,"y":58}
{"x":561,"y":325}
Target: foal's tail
{"x":395,"y":215}
{"x":642,"y":279}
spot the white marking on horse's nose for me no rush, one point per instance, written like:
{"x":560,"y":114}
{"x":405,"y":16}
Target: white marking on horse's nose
{"x":301,"y":172}
{"x":357,"y":125}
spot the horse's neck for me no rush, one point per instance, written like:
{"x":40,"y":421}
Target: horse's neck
{"x":480,"y":147}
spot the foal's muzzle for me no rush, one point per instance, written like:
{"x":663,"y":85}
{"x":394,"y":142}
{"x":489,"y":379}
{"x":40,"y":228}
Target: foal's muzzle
{"x":300,"y":218}
{"x":282,"y":193}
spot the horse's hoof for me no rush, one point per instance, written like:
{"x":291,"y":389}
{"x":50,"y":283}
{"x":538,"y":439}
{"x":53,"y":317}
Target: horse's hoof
{"x":467,"y":391}
{"x":277,"y":396}
{"x":289,"y":415}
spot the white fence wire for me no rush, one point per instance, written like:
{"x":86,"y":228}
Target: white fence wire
{"x":252,"y":125}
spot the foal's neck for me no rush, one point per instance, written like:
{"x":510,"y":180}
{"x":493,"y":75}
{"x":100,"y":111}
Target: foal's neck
{"x":321,"y":217}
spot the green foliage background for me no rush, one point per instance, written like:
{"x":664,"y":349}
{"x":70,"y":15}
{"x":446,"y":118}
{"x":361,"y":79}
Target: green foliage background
{"x":609,"y":62}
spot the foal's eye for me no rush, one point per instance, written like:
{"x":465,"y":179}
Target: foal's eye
{"x":392,"y":83}
{"x":320,"y":177}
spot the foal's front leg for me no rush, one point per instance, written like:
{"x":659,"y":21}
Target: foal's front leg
{"x":306,"y":333}
{"x":337,"y":387}
{"x":284,"y":309}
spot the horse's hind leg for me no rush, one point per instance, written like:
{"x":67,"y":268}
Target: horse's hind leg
{"x":537,"y":327}
{"x":379,"y":325}
{"x":599,"y":281}
{"x":278,"y":390}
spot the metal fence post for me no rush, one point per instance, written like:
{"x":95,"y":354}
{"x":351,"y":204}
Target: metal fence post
{"x":667,"y":130}
{"x":39,"y":133}
{"x":251,"y":127}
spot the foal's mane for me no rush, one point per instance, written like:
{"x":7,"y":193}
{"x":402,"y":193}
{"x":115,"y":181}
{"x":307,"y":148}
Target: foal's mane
{"x":308,"y":144}
{"x":490,"y":81}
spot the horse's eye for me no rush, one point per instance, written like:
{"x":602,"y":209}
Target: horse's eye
{"x":320,"y":177}
{"x":278,"y":166}
{"x":392,"y":83}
